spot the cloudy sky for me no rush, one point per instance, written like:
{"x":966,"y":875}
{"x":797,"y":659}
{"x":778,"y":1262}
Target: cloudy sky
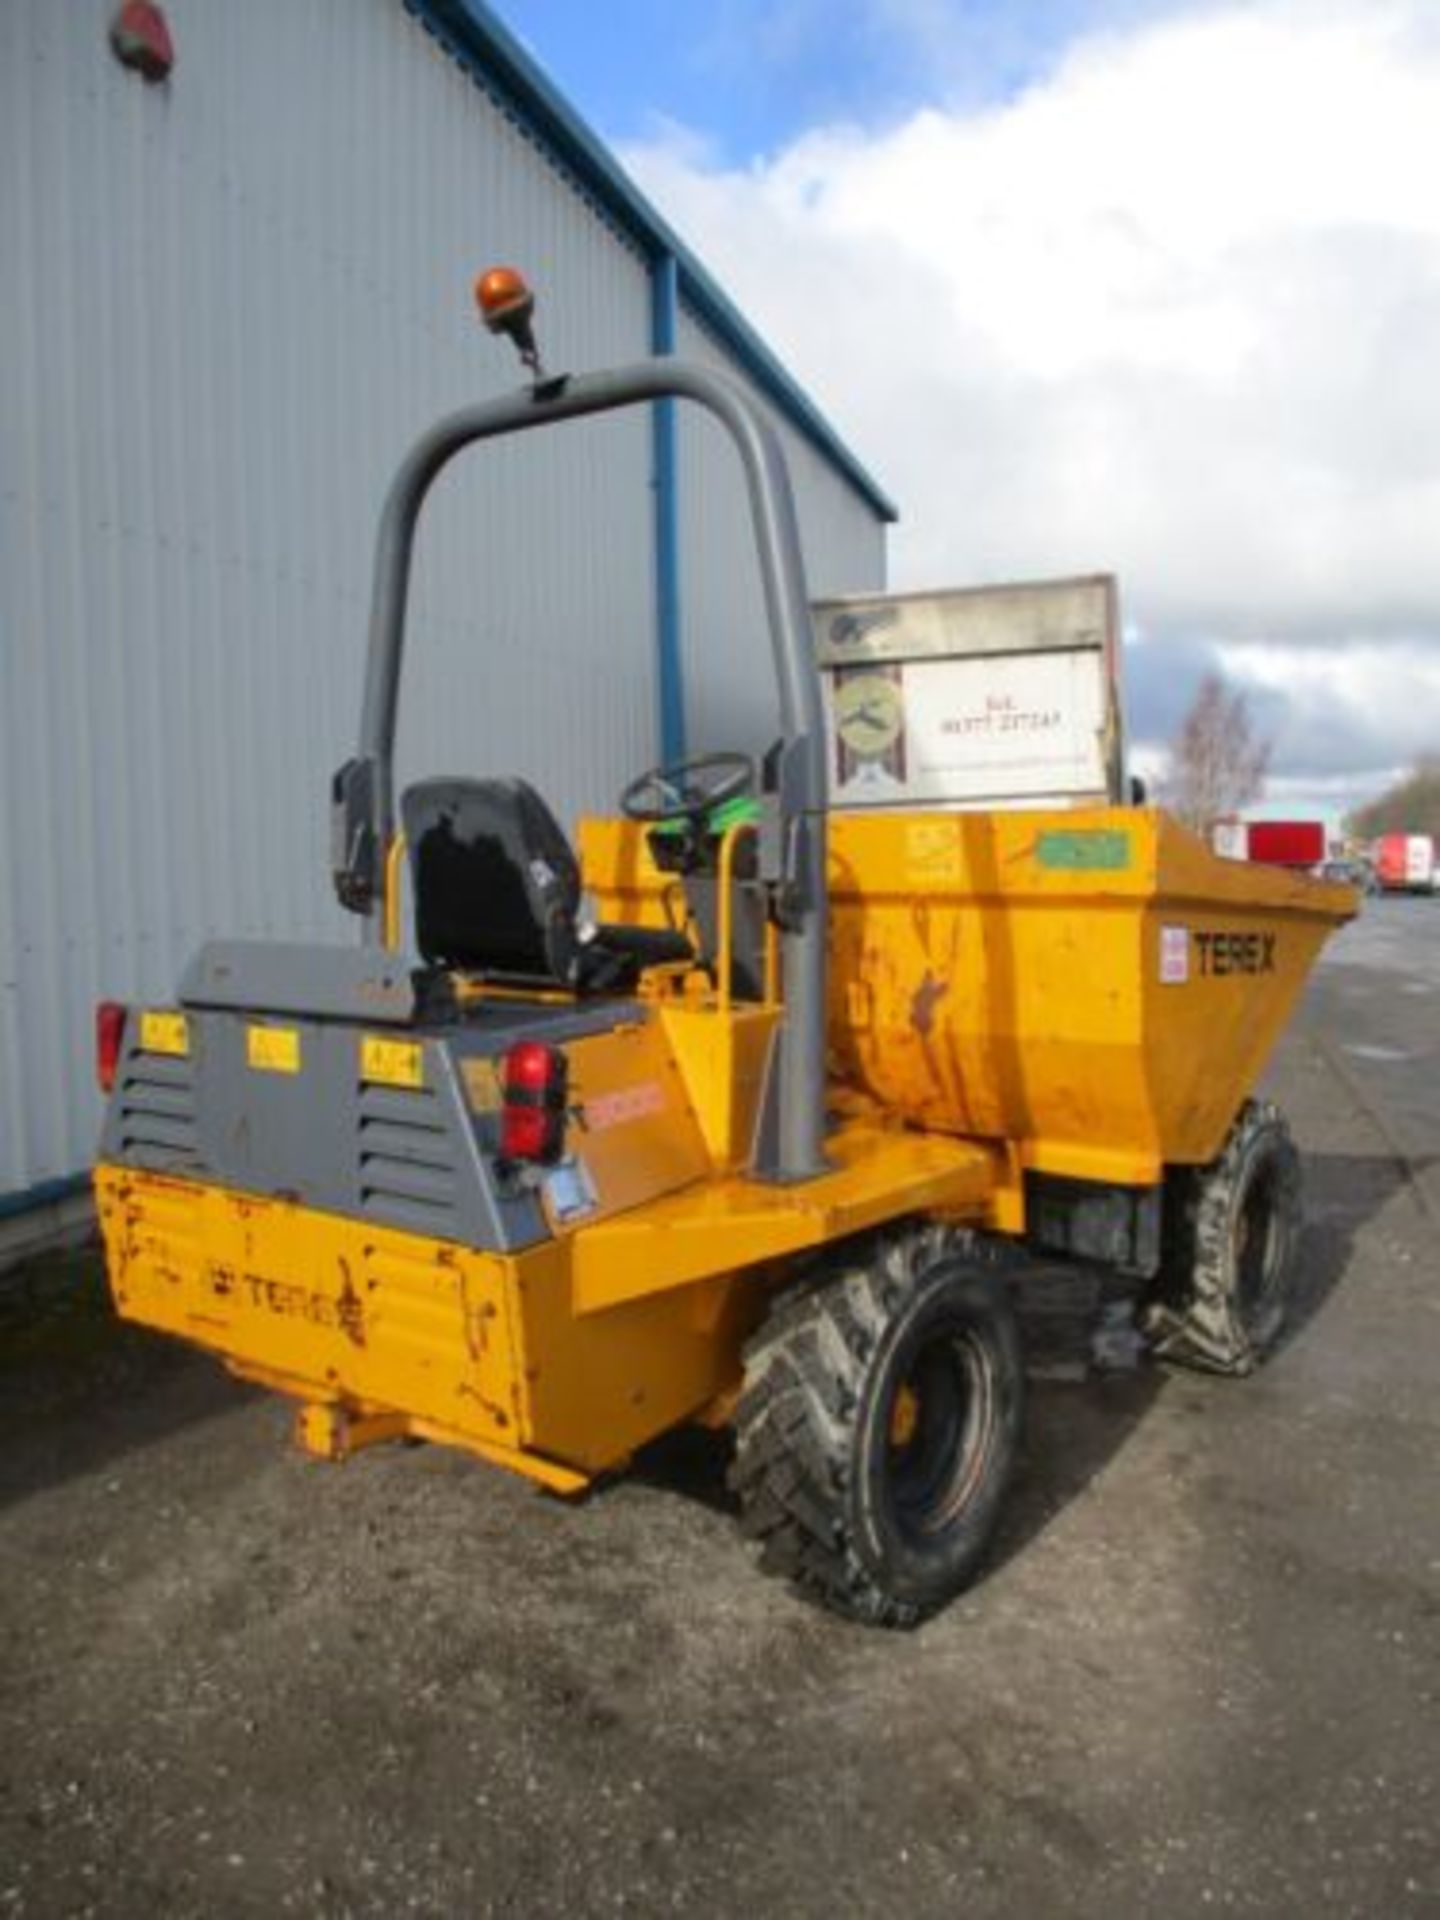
{"x":1126,"y":284}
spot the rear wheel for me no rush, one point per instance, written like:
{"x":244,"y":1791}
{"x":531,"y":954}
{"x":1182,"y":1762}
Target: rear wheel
{"x":1232,"y":1233}
{"x":879,"y":1425}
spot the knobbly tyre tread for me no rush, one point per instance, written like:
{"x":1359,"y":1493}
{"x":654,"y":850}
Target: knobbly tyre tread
{"x":1195,"y":1319}
{"x":796,"y":1422}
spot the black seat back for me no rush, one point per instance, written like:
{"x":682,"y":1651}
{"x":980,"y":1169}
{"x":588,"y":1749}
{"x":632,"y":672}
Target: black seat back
{"x":497,"y":886}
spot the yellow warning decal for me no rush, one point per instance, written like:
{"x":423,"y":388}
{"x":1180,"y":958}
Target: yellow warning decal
{"x":164,"y":1033}
{"x":932,"y":849}
{"x":391,"y":1063}
{"x":482,"y":1083}
{"x":860,"y":1003}
{"x":273,"y":1049}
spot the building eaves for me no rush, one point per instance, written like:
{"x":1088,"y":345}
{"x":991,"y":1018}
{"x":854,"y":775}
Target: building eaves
{"x":495,"y":60}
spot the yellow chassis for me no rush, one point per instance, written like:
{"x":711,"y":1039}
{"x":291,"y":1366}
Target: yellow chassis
{"x":558,"y":1361}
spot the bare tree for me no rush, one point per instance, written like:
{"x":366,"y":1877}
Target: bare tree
{"x":1218,"y":762}
{"x":1411,"y":805}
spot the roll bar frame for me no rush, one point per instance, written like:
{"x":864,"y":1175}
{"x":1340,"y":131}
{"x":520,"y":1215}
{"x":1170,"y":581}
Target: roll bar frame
{"x":791,"y":1141}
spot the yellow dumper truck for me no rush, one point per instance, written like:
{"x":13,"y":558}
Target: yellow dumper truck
{"x":721,"y":1119}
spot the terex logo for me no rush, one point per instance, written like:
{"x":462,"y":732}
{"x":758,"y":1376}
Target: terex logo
{"x":1222,"y":953}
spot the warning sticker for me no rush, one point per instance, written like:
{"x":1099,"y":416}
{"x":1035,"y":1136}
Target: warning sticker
{"x":1174,"y":956}
{"x":164,"y":1033}
{"x":391,"y":1063}
{"x":273,"y":1049}
{"x":932,"y":850}
{"x":482,"y":1083}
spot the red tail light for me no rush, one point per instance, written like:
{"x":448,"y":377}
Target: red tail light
{"x":532,"y":1110}
{"x":109,"y":1038}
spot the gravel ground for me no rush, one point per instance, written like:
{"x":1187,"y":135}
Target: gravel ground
{"x":1201,"y":1673}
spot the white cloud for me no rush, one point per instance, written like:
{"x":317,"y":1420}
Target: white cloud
{"x":1174,"y":310}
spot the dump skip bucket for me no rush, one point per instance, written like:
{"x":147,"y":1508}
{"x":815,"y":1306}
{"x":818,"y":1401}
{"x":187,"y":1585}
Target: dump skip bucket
{"x":1094,"y":986}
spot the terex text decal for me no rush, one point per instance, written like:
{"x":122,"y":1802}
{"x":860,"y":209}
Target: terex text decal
{"x":1224,"y":953}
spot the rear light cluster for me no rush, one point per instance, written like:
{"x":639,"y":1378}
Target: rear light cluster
{"x":533,"y":1092}
{"x":110,"y":1018}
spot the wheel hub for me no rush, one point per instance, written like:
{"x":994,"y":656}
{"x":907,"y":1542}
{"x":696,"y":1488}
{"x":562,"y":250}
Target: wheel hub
{"x":904,"y":1416}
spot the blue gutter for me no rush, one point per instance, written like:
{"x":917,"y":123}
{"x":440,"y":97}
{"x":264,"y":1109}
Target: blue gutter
{"x":664,"y":312}
{"x":476,"y":39}
{"x":47,"y":1193}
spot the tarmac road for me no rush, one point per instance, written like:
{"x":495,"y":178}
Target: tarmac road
{"x":1377,"y":1003}
{"x":1201,"y":1673}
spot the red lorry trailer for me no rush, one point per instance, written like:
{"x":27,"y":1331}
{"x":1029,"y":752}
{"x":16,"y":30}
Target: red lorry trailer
{"x":1405,"y":863}
{"x":1273,"y":843}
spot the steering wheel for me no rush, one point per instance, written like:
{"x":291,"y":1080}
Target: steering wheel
{"x":687,"y":789}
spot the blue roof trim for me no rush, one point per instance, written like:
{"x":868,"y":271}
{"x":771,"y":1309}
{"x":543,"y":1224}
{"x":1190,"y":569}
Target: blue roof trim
{"x":45,"y":1193}
{"x":489,"y":52}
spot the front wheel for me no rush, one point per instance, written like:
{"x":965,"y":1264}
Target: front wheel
{"x":1232,"y":1234}
{"x":879,"y":1425}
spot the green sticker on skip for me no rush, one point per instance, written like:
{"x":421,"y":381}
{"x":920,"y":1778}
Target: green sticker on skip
{"x":1083,"y":850}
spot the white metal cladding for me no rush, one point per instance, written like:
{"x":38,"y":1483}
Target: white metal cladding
{"x":230,"y":303}
{"x":729,"y":677}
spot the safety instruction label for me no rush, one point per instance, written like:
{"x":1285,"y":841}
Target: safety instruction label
{"x":932,"y":850}
{"x":164,"y":1033}
{"x":1174,"y":956}
{"x":273,"y":1049}
{"x":391,"y":1063}
{"x":482,"y":1083}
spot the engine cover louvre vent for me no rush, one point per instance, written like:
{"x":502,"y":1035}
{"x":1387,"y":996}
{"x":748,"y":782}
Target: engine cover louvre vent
{"x":155,"y":1112}
{"x":406,"y":1163}
{"x":326,"y":1116}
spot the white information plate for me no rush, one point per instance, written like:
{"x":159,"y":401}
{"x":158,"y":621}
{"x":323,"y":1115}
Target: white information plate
{"x":996,"y":696}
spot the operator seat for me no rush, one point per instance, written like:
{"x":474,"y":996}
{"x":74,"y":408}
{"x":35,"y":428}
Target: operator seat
{"x":497,"y":893}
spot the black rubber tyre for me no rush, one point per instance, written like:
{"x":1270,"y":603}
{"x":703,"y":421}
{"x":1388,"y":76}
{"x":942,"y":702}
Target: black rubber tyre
{"x":1232,"y":1234}
{"x":879,"y":1425}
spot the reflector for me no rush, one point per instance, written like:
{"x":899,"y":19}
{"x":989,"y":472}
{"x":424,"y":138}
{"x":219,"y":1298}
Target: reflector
{"x":109,"y":1038}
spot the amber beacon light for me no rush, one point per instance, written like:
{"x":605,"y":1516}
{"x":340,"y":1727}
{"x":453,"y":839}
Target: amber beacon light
{"x":508,"y":306}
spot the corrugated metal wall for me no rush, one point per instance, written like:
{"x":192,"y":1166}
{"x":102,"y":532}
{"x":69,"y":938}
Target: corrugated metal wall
{"x":730,"y":691}
{"x":230,"y":303}
{"x":241,"y":296}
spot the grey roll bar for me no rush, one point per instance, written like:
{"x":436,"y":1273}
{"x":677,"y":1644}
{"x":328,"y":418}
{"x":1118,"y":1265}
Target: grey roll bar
{"x":364,"y":800}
